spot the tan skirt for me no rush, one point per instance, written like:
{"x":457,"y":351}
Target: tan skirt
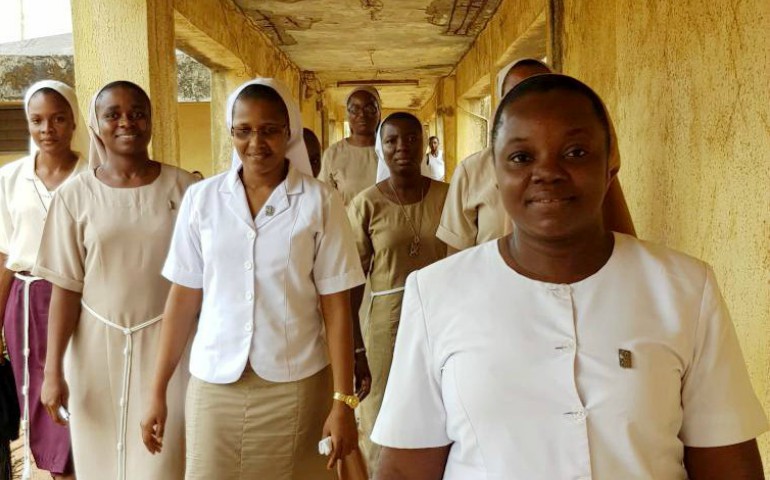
{"x":256,"y":429}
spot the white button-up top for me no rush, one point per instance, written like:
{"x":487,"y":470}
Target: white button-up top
{"x":261,"y":276}
{"x":607,"y":378}
{"x":24,"y":203}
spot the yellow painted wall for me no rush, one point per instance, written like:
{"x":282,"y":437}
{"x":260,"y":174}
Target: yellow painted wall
{"x":9,"y":157}
{"x":687,"y":84}
{"x":195,"y":137}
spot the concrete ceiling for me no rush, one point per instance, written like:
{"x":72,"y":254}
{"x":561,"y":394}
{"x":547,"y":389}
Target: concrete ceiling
{"x":414,"y":42}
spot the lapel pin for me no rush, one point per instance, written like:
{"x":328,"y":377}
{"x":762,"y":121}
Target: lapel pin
{"x":269,"y":210}
{"x":625,"y":358}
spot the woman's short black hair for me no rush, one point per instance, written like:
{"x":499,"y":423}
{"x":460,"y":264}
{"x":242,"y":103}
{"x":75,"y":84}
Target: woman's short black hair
{"x":401,"y":116}
{"x":263,"y":92}
{"x":547,"y":83}
{"x":128,"y":85}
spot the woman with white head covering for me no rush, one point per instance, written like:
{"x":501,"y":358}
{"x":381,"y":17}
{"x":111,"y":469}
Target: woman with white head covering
{"x":255,"y":250}
{"x":394,"y":223}
{"x":105,"y":240}
{"x":350,"y":165}
{"x":473,"y":213}
{"x":27,"y":187}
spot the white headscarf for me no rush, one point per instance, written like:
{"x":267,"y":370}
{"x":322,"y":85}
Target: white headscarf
{"x":296,"y":152}
{"x":97,"y":153}
{"x":368,"y":89}
{"x":79,"y":142}
{"x":383,"y":172}
{"x":504,"y":73}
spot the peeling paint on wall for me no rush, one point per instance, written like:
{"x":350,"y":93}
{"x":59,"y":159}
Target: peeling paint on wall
{"x":462,"y":17}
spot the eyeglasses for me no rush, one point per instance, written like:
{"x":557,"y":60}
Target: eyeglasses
{"x":369,"y":110}
{"x":267,"y":131}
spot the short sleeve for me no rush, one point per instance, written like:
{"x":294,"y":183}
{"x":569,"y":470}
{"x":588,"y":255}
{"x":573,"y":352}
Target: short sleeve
{"x":336,"y":267}
{"x":412,"y":413}
{"x":326,"y":167}
{"x":458,"y":227}
{"x":184,"y":263}
{"x":6,"y":221}
{"x":719,"y":404}
{"x":62,"y":255}
{"x":359,"y":222}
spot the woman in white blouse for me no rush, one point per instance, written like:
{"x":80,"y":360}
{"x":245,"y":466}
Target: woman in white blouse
{"x":564,"y":351}
{"x":27,"y":187}
{"x":254,"y":251}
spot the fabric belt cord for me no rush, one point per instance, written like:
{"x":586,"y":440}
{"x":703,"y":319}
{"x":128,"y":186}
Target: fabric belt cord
{"x":123,"y":403}
{"x":382,"y":293}
{"x":26,"y":472}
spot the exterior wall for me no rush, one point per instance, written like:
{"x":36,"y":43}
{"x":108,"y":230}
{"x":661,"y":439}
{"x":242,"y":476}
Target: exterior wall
{"x":686,"y":83}
{"x":195,"y":138}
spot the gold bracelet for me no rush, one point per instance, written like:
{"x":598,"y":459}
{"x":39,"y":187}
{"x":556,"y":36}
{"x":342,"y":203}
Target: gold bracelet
{"x":349,"y":400}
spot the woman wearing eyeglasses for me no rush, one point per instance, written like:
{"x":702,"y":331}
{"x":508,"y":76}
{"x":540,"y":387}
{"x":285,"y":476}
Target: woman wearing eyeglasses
{"x":255,"y":251}
{"x":350,"y":165}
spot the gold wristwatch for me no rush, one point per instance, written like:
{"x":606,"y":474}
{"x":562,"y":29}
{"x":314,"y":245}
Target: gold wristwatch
{"x":349,"y":400}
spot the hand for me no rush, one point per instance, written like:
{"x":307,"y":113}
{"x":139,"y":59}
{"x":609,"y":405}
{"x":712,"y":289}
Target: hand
{"x":54,"y":394}
{"x":363,"y":376}
{"x":341,"y":426}
{"x":153,"y":425}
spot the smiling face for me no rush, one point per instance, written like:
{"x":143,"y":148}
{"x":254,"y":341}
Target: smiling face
{"x":260,"y":133}
{"x":124,"y":119}
{"x":51,"y":123}
{"x":363,"y":113}
{"x":402,"y":145}
{"x":551,"y":152}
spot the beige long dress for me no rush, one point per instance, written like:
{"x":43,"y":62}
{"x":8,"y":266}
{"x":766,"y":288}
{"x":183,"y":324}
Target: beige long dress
{"x":349,"y":169}
{"x":110,"y":244}
{"x":383,"y":237}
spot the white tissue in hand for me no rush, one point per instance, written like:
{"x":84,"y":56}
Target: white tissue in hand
{"x":325,"y":446}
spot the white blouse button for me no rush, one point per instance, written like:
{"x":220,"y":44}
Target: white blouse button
{"x":249,"y":327}
{"x":249,"y":296}
{"x":248,"y":265}
{"x":251,"y":235}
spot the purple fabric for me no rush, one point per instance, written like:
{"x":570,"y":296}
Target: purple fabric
{"x":50,"y":443}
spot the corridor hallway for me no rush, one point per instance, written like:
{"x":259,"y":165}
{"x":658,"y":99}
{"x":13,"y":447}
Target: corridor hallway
{"x":687,"y":84}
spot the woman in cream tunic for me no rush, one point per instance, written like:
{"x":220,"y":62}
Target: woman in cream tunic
{"x":394,"y":223}
{"x":27,"y":187}
{"x":112,"y":228}
{"x":350,"y":165}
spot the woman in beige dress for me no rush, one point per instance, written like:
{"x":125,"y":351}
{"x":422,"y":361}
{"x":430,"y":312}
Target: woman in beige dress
{"x":104,"y":244}
{"x":350,"y":165}
{"x":394,"y":224}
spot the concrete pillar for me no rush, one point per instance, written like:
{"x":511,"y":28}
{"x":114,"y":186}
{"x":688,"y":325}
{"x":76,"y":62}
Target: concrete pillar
{"x":222,"y":83}
{"x":447,"y":110}
{"x":555,"y":34}
{"x":130,"y":40}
